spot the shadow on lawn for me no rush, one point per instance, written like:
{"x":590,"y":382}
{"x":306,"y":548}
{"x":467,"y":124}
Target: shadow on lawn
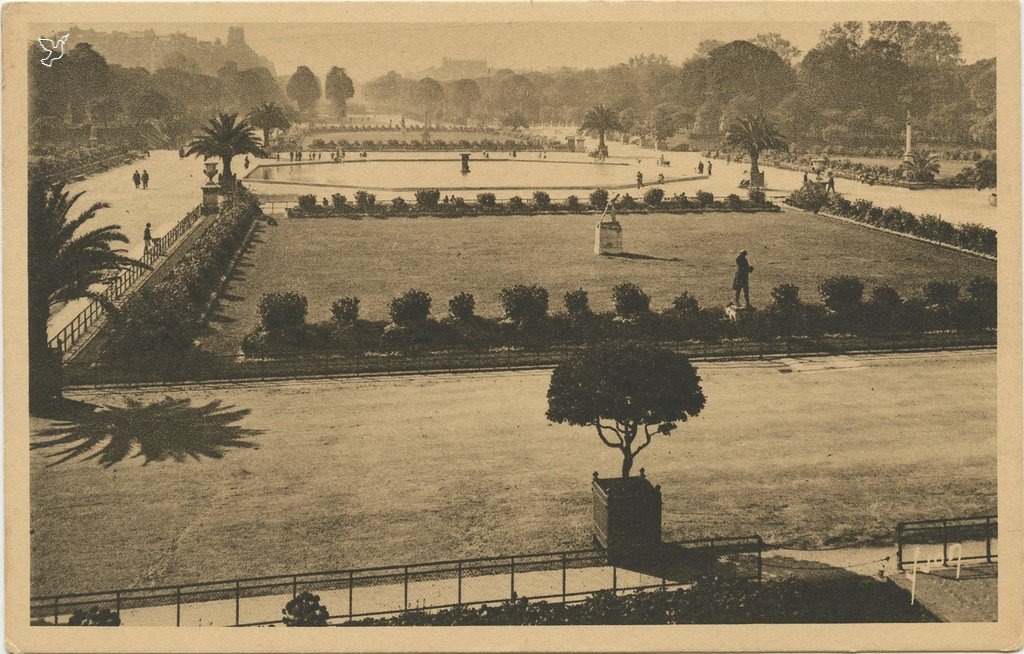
{"x":168,"y":429}
{"x":640,"y":257}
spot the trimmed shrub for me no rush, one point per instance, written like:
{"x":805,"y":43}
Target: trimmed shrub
{"x":704,"y":199}
{"x":572,"y":203}
{"x":515,"y":203}
{"x":685,"y":303}
{"x":307,"y":202}
{"x":399,"y":204}
{"x":885,"y":298}
{"x":345,"y":310}
{"x":811,"y":197}
{"x":541,"y":199}
{"x":982,"y":290}
{"x":630,"y":301}
{"x":305,"y":610}
{"x":365,"y":201}
{"x":756,"y":196}
{"x":427,"y":198}
{"x":94,"y":617}
{"x":486,"y":200}
{"x":627,"y":201}
{"x":733,"y":202}
{"x":598,"y":198}
{"x":410,"y":309}
{"x":653,"y":197}
{"x":942,"y":294}
{"x":161,"y":320}
{"x":282,"y":310}
{"x":524,"y":304}
{"x":339,"y":201}
{"x":577,"y":304}
{"x":842,"y":294}
{"x":461,"y":307}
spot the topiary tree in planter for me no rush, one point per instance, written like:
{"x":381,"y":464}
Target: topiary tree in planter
{"x":628,"y":394}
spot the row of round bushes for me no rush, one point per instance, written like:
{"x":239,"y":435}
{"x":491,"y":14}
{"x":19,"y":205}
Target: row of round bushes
{"x":166,"y":317}
{"x":435,"y":144}
{"x":365,"y":203}
{"x":526,"y":319}
{"x":969,"y":236}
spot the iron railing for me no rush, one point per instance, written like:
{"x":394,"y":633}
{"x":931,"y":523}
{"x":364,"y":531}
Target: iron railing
{"x":565,"y":577}
{"x":117,"y":288}
{"x":948,"y":532}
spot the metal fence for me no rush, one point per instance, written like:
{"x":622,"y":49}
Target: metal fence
{"x":116,"y":289}
{"x":949,"y":533}
{"x":560,"y":577}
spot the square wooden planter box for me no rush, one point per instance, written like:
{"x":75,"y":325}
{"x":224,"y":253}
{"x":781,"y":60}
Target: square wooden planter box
{"x":627,"y":513}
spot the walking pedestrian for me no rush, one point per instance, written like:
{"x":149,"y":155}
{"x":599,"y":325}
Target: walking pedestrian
{"x":639,"y":179}
{"x":145,"y":178}
{"x":246,"y":163}
{"x":147,"y":239}
{"x":137,"y":179}
{"x":709,"y":169}
{"x":700,"y":168}
{"x":805,"y":178}
{"x":831,"y":183}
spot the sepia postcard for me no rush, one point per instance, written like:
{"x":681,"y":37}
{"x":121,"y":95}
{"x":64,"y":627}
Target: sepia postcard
{"x":512,"y":326}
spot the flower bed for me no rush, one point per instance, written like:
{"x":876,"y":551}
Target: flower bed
{"x":969,"y":236}
{"x":828,"y":599}
{"x":429,"y":203}
{"x":166,"y":317}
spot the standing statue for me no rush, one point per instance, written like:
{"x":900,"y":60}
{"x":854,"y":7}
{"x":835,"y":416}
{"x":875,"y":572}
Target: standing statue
{"x":741,"y":282}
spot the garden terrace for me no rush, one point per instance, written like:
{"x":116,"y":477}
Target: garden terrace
{"x":795,"y":465}
{"x":374,"y":260}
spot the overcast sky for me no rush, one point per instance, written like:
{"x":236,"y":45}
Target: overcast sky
{"x":370,"y":49}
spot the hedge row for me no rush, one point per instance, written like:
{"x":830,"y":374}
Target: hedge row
{"x":430,"y":201}
{"x":165,"y":317}
{"x":832,"y":599}
{"x":969,"y":236}
{"x":434,"y":145}
{"x":527,"y":322}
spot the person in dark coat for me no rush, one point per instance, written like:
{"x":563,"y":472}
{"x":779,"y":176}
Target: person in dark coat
{"x":831,"y":183}
{"x":700,"y":168}
{"x":137,"y":179}
{"x":147,"y":239}
{"x":741,"y":282}
{"x":709,"y":169}
{"x":145,"y":179}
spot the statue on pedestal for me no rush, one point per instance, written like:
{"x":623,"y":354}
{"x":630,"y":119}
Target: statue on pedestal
{"x":608,"y":237}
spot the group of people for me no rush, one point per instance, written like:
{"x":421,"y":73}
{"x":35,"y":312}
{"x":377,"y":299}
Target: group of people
{"x":141,"y":181}
{"x":830,"y":183}
{"x":701,"y":168}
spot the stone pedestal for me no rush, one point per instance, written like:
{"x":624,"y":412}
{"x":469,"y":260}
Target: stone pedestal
{"x":757,"y":179}
{"x":738,"y":313}
{"x":608,"y":237}
{"x":211,"y":199}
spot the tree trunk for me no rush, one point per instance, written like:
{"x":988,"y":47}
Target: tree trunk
{"x":44,"y":364}
{"x":266,"y":139}
{"x":627,"y":463}
{"x":754,"y":156}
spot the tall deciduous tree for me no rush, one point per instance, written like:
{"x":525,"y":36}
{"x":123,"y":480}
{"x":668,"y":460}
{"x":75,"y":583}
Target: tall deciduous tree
{"x":627,"y":393}
{"x":304,"y":89}
{"x":465,"y":95}
{"x":429,"y":97}
{"x":338,"y":88}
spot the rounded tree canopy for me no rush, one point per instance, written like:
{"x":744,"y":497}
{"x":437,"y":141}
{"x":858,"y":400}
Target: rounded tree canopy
{"x":625,"y":383}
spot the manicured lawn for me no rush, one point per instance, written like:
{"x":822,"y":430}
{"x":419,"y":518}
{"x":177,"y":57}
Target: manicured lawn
{"x":375,"y":260}
{"x":389,"y":470}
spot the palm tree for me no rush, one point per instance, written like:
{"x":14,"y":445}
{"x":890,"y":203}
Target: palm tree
{"x":601,"y":119}
{"x":755,"y":135}
{"x":267,"y":117}
{"x":921,"y":166}
{"x":65,"y":263}
{"x":226,"y":136}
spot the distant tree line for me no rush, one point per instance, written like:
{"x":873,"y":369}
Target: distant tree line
{"x":854,"y":87}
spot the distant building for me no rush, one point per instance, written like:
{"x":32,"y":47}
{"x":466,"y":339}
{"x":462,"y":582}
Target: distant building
{"x":147,"y":49}
{"x":453,"y":69}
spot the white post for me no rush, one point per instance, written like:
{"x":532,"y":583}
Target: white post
{"x":906,"y":149}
